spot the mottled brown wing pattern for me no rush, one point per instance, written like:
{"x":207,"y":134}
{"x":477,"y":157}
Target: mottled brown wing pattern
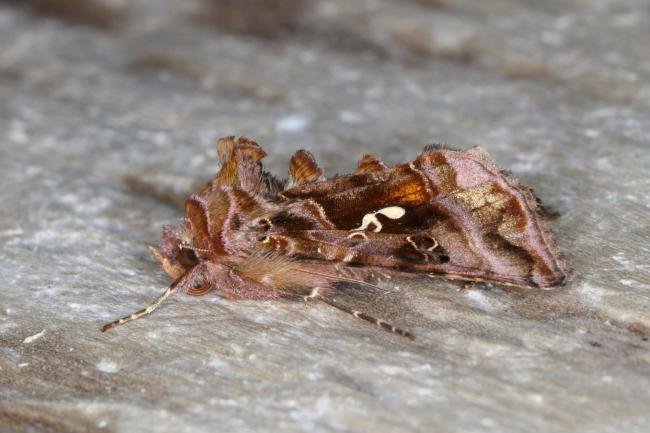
{"x":448,"y":212}
{"x":462,"y":218}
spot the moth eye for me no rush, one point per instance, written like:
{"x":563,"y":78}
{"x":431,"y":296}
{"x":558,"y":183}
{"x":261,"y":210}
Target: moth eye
{"x":263,"y":239}
{"x":187,"y":257}
{"x":444,"y":258}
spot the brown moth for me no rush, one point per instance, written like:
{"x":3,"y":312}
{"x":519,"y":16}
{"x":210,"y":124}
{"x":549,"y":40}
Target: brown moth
{"x":448,"y":212}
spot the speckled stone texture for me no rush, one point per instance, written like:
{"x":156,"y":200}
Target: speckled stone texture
{"x":556,"y":91}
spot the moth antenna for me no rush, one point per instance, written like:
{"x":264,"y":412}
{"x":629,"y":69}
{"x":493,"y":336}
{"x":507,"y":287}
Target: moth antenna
{"x":145,"y":311}
{"x":180,"y":282}
{"x":195,"y":249}
{"x":315,"y":294}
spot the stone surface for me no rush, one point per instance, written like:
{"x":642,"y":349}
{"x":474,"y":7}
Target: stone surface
{"x":556,"y":91}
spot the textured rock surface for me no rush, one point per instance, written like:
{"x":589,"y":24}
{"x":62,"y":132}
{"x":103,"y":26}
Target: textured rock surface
{"x":556,"y":91}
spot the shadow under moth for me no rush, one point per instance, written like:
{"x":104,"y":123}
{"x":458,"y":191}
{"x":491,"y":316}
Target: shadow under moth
{"x":451,"y":213}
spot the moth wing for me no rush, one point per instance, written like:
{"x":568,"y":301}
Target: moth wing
{"x":485,"y":225}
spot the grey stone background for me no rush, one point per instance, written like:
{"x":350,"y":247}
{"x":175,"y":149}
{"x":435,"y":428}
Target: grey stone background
{"x":557,"y":91}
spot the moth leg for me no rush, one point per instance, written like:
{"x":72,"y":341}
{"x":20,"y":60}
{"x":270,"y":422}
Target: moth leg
{"x":316,"y":294}
{"x":171,"y":269}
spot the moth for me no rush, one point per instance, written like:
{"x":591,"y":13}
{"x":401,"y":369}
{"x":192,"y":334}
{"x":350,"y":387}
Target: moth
{"x":452,"y":213}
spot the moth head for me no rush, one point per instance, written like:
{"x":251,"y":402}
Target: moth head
{"x":176,"y":246}
{"x":187,"y":245}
